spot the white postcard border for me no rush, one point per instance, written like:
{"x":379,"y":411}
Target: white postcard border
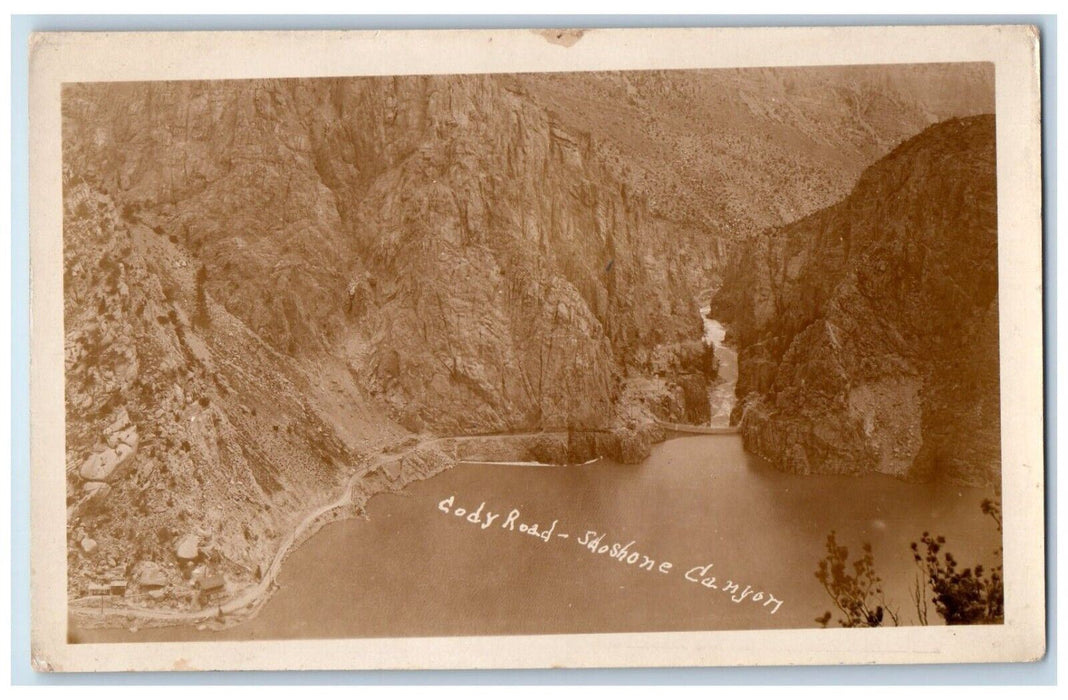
{"x":75,"y":57}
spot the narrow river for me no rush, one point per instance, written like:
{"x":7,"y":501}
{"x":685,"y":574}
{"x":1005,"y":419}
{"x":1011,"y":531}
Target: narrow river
{"x":412,"y":569}
{"x":721,"y":392}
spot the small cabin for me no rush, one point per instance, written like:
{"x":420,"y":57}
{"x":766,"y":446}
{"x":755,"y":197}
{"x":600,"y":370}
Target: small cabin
{"x":213,"y":583}
{"x":99,"y":589}
{"x":117,"y":588}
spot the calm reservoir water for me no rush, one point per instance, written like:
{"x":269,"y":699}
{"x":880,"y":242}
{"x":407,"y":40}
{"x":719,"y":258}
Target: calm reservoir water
{"x":413,"y":570}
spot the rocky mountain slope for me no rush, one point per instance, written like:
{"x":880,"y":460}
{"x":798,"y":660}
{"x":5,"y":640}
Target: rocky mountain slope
{"x":269,"y":281}
{"x":191,"y":445}
{"x":868,"y":331}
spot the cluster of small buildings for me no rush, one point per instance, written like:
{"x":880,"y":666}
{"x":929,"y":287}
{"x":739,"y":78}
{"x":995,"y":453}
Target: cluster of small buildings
{"x":115,"y":588}
{"x":154,"y":581}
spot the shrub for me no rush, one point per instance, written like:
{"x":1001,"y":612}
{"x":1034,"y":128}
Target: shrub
{"x":858,"y":594}
{"x":962,"y":596}
{"x":201,"y":318}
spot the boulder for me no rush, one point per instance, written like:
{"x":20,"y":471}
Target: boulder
{"x":88,"y":545}
{"x":393,"y":469}
{"x":106,"y":465}
{"x":188,"y":547}
{"x":122,"y":419}
{"x":94,"y":494}
{"x":151,"y":575}
{"x":92,"y":499}
{"x":126,"y":436}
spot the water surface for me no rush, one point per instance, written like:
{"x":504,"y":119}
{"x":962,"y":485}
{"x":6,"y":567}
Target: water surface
{"x":410,"y":569}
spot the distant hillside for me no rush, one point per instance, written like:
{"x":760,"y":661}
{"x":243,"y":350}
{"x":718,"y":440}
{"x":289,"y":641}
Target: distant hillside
{"x":738,"y":150}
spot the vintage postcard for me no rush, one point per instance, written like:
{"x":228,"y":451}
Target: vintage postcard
{"x":510,"y":348}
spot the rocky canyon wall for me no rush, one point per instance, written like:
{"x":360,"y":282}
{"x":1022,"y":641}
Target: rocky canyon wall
{"x":868,"y":331}
{"x":487,"y":253}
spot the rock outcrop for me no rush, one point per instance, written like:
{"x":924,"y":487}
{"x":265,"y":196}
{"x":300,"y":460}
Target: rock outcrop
{"x":867,"y":332}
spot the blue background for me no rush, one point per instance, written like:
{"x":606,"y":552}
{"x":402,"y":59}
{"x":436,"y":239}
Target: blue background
{"x":1043,"y":672}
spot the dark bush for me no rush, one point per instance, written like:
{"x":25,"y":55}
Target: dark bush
{"x":856,"y":591}
{"x":963,"y":596}
{"x":960,"y":596}
{"x":201,"y":318}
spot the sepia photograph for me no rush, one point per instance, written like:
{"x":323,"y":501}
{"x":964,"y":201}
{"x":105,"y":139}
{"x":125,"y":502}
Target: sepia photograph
{"x":517,"y":354}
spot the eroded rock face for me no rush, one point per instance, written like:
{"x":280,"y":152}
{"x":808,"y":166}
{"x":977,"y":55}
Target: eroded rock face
{"x":444,"y":233}
{"x":632,"y":446}
{"x":171,"y":423}
{"x":870,"y":342}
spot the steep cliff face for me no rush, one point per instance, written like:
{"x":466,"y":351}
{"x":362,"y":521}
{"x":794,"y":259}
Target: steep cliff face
{"x":504,"y":268}
{"x":478,"y":251}
{"x":867,"y":332}
{"x":470,"y":260}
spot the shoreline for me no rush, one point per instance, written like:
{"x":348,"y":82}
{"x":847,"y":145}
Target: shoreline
{"x":674,"y":452}
{"x":247,"y":602}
